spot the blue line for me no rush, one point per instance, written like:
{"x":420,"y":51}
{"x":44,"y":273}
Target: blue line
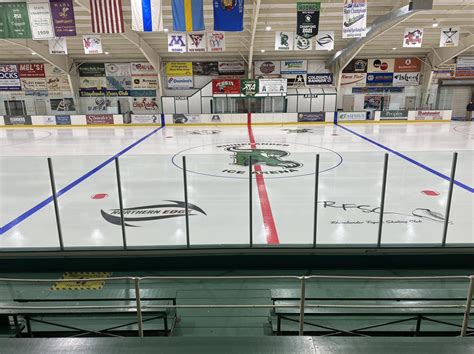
{"x":48,"y":200}
{"x":399,"y":154}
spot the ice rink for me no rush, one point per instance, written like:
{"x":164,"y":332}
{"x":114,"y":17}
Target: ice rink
{"x":350,"y":180}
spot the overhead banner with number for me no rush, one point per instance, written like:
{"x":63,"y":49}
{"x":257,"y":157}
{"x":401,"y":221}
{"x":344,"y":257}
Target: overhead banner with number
{"x":307,"y":19}
{"x":41,"y":22}
{"x":14,"y":20}
{"x":354,"y":22}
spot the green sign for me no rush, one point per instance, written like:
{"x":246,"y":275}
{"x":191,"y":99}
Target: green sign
{"x":14,"y":21}
{"x":248,"y":87}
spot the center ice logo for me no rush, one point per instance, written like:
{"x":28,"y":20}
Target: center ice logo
{"x":267,"y":157}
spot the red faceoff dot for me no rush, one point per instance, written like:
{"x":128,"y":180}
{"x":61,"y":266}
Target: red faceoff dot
{"x":99,"y":196}
{"x":430,"y":193}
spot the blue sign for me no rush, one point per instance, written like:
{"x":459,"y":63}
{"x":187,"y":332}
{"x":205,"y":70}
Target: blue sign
{"x":377,"y":89}
{"x":228,"y":15}
{"x":63,"y":120}
{"x":142,"y":93}
{"x":379,"y":79}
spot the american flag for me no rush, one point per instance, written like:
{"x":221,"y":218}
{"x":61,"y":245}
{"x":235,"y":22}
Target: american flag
{"x":107,"y":16}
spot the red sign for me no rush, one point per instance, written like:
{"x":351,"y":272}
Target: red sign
{"x":407,"y":65}
{"x":31,"y":70}
{"x":95,"y":119}
{"x":226,"y":86}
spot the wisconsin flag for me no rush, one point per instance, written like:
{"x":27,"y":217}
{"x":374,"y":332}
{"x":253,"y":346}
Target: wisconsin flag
{"x":188,"y":15}
{"x":106,"y":16}
{"x":146,"y":15}
{"x":228,"y":15}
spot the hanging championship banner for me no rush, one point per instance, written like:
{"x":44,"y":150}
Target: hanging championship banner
{"x":92,"y":44}
{"x":449,"y":37}
{"x":57,"y":45}
{"x":307,"y":19}
{"x":413,"y":37}
{"x":197,"y":42}
{"x":216,"y":42}
{"x":14,"y":20}
{"x":177,"y":42}
{"x":64,"y":21}
{"x":325,"y":40}
{"x":354,"y":22}
{"x":248,"y":87}
{"x":228,"y":15}
{"x":284,"y":40}
{"x":41,"y":23}
{"x":302,"y":43}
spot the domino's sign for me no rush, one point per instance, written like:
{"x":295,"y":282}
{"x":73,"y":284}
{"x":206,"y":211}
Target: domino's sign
{"x":9,"y":78}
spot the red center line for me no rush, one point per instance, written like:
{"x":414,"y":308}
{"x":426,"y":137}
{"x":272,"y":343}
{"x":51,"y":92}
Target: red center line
{"x":268,"y":221}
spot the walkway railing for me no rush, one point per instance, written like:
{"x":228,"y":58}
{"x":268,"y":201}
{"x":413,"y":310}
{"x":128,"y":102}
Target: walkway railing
{"x":303,"y":280}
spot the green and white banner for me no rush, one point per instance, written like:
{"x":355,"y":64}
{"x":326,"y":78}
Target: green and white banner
{"x":14,"y":21}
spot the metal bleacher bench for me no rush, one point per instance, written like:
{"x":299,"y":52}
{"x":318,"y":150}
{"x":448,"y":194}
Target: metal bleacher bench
{"x":38,"y":305}
{"x":391,"y":301}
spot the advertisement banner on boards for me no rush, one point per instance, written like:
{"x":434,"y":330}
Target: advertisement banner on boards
{"x":379,"y":79}
{"x":58,"y":83}
{"x":181,"y":118}
{"x":97,"y":119}
{"x":249,"y":87}
{"x":180,"y":82}
{"x":150,"y":83}
{"x":296,"y":80}
{"x":428,"y":115}
{"x":64,"y":23}
{"x":407,"y":65}
{"x":92,"y":70}
{"x":353,"y":79}
{"x":142,"y":69}
{"x":117,"y":69}
{"x":179,"y":68}
{"x":41,"y":22}
{"x":233,"y":68}
{"x":145,"y":104}
{"x":225,"y":86}
{"x":284,"y":40}
{"x":394,"y":115}
{"x":62,"y":104}
{"x":356,"y":66}
{"x":119,"y":82}
{"x":272,"y":86}
{"x":197,"y":42}
{"x":406,"y":79}
{"x":307,"y":19}
{"x":312,"y":117}
{"x":63,"y":120}
{"x":92,"y":83}
{"x":293,"y":66}
{"x":319,"y":79}
{"x":206,"y":68}
{"x":351,"y":115}
{"x":9,"y":78}
{"x":267,"y":67}
{"x":354,"y":20}
{"x":57,"y":46}
{"x":17,"y":120}
{"x":146,"y":119}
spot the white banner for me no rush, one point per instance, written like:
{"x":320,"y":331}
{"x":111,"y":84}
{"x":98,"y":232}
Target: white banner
{"x":177,"y":42}
{"x":325,"y":40}
{"x":180,"y":82}
{"x":143,"y":69}
{"x":145,"y":82}
{"x":406,"y":79}
{"x":302,"y":43}
{"x":296,"y":80}
{"x":271,"y":86}
{"x":381,"y":65}
{"x":146,"y":119}
{"x":353,"y":79}
{"x":92,"y":44}
{"x":58,"y":45}
{"x":216,"y":42}
{"x":317,"y":67}
{"x":34,"y":84}
{"x":144,"y":105}
{"x":413,"y":37}
{"x":294,"y":66}
{"x":354,"y":23}
{"x":92,"y":83}
{"x":449,"y":37}
{"x":197,"y":42}
{"x":266,"y":68}
{"x":117,"y":69}
{"x":41,"y":23}
{"x":284,"y":40}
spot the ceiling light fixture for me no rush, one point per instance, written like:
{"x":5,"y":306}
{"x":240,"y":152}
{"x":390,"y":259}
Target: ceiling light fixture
{"x":106,"y":53}
{"x":262,"y":50}
{"x":394,"y":48}
{"x":435,"y":24}
{"x":33,"y":53}
{"x":165,"y":29}
{"x":268,"y":28}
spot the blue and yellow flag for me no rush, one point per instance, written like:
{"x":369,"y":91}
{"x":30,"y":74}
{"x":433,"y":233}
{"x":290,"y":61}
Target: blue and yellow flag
{"x":188,"y":15}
